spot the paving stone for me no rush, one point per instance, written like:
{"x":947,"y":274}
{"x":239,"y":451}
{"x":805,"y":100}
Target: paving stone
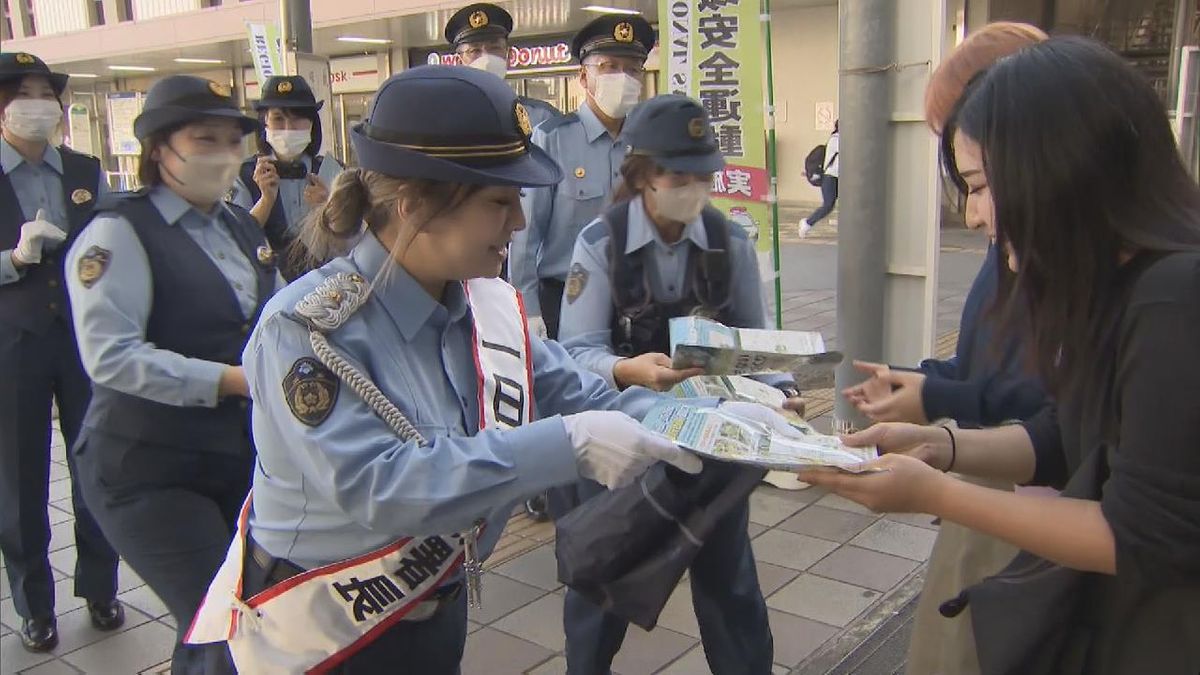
{"x":862,"y":567}
{"x":14,"y":658}
{"x":537,"y":568}
{"x":54,"y":667}
{"x":75,"y":629}
{"x":501,"y":596}
{"x":906,"y":541}
{"x":145,"y":600}
{"x":57,"y":515}
{"x":490,"y":652}
{"x":63,"y":561}
{"x":131,"y":651}
{"x":5,"y":589}
{"x":825,"y":600}
{"x":826,"y":523}
{"x":787,"y":549}
{"x":555,"y":666}
{"x":62,"y":535}
{"x":64,"y":601}
{"x":539,"y":622}
{"x":796,"y":638}
{"x":691,"y":663}
{"x":754,"y":529}
{"x":769,"y":509}
{"x":60,"y":489}
{"x":678,"y":615}
{"x":838,"y":502}
{"x":58,"y":472}
{"x":644,"y":653}
{"x":919,"y":519}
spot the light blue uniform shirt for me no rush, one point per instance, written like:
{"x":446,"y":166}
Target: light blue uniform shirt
{"x":586,"y":322}
{"x":38,"y":186}
{"x":111,"y":316}
{"x":591,"y":163}
{"x":291,"y":192}
{"x":349,"y":485}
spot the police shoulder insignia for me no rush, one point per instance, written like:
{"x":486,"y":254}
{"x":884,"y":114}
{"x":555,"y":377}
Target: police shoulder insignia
{"x":81,"y":196}
{"x":478,"y":19}
{"x":311,"y":390}
{"x":92,"y":265}
{"x":623,"y":32}
{"x":523,"y":122}
{"x":576,"y":281}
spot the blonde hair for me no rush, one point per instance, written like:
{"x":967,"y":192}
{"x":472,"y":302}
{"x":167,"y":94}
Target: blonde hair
{"x":976,"y":54}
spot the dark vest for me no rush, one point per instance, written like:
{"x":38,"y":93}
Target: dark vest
{"x":276,"y":227}
{"x":195,"y":313}
{"x":40,"y":297}
{"x":640,"y":323}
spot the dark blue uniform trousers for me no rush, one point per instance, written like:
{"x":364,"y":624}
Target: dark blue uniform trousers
{"x":171,"y":515}
{"x":34,"y":371}
{"x":729,"y":607}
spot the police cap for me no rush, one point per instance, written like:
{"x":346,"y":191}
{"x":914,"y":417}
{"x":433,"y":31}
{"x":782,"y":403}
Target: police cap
{"x":180,"y":99}
{"x":478,"y":22}
{"x":19,"y":65}
{"x":673,"y":130}
{"x":454,"y":124}
{"x":615,"y":34}
{"x":287,"y":91}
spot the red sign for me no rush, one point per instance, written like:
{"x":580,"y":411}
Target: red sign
{"x":745,"y":183}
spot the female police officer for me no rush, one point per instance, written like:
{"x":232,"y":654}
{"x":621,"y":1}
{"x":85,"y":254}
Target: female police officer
{"x":46,"y":195}
{"x":659,"y":253}
{"x":289,"y":177}
{"x":166,"y":284}
{"x":402,"y":408}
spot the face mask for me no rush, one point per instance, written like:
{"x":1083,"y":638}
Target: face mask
{"x":681,"y":204}
{"x":289,"y":143}
{"x":32,"y":119}
{"x":205,"y":179}
{"x":496,"y":65}
{"x":616,"y":94}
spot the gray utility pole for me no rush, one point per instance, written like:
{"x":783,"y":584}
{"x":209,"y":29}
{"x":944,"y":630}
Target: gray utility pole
{"x":295,"y":25}
{"x":866,"y":44}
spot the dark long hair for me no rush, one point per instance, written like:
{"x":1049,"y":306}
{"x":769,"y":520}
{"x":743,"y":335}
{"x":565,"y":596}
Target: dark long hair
{"x":1083,"y":169}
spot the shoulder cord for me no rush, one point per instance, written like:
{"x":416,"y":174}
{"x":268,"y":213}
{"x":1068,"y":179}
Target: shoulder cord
{"x":327,"y":308}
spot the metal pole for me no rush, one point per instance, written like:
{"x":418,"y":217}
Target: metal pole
{"x":866,"y":40}
{"x":295,"y":25}
{"x":772,"y":164}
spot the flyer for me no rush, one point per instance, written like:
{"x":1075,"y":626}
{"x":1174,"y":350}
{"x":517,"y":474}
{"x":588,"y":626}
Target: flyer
{"x":697,"y":342}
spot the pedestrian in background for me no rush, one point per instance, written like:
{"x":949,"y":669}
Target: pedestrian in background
{"x":47,"y":193}
{"x":829,"y":184}
{"x":167,"y":284}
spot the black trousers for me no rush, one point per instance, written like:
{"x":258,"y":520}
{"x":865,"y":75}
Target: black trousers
{"x":38,"y":369}
{"x":550,"y":295}
{"x":171,"y":515}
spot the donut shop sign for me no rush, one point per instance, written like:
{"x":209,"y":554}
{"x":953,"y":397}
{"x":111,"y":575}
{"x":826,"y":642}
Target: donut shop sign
{"x":523,"y":55}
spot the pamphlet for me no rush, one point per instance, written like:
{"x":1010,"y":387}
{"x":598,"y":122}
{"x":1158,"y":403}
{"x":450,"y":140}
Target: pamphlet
{"x":697,"y":342}
{"x":739,"y":388}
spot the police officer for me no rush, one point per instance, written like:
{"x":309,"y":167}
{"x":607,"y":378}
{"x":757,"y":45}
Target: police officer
{"x":479,"y":35}
{"x":289,"y":177}
{"x":167,"y":284}
{"x":46,"y":196}
{"x":590,"y":147}
{"x":661,"y":252}
{"x":394,"y":395}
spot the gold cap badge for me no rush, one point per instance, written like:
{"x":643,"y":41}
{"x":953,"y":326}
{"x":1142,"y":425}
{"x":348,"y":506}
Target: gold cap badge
{"x":523,"y":122}
{"x":283,"y":87}
{"x":81,"y":196}
{"x":579,"y":172}
{"x":25,"y":59}
{"x":218,"y":89}
{"x":623,"y":32}
{"x":478,"y":19}
{"x":696,"y":127}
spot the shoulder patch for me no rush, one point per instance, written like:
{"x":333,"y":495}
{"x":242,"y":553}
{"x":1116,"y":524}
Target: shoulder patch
{"x":92,"y":265}
{"x":556,"y":122}
{"x":592,"y":234}
{"x":576,"y":281}
{"x":310,"y":390}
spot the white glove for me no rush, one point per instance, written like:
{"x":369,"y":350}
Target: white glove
{"x":36,"y":235}
{"x":762,"y":414}
{"x":612,"y":449}
{"x":536,"y":326}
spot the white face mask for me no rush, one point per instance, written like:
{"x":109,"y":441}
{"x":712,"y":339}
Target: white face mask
{"x":289,"y":143}
{"x":617,"y":93}
{"x":205,"y":179}
{"x":496,"y":65}
{"x":681,"y":204}
{"x":33,"y":119}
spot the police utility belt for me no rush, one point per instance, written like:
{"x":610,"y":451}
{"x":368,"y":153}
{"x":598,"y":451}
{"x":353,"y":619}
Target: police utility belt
{"x":314,"y":620}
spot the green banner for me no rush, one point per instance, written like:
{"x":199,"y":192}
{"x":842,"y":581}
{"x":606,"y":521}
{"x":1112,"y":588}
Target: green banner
{"x":266,"y":50}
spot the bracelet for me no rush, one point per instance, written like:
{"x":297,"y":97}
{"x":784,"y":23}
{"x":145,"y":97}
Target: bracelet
{"x":953,"y":450}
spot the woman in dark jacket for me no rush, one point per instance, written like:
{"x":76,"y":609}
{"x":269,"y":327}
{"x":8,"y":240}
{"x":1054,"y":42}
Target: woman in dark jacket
{"x":1069,"y":150}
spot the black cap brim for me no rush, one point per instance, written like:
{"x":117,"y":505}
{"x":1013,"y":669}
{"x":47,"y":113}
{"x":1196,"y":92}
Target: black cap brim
{"x":268,"y":103}
{"x":533,"y":169}
{"x":706,"y":163}
{"x":58,"y":81}
{"x":157,"y":119}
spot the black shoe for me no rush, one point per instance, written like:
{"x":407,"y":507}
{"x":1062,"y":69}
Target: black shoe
{"x":107,"y":615}
{"x":39,"y":635}
{"x":536,"y":509}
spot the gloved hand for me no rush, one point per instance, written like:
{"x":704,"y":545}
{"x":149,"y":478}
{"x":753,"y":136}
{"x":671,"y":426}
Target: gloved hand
{"x":536,"y":326}
{"x":37,"y":235}
{"x":612,"y":449}
{"x":764,"y":415}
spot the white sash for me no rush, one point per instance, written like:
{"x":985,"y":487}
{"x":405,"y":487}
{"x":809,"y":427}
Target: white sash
{"x":316,"y":620}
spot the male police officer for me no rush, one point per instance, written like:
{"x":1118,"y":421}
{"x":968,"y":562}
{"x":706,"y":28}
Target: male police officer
{"x":588,"y":145}
{"x":479,"y":35}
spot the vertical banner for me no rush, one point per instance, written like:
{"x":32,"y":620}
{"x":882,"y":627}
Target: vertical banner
{"x":315,"y":70}
{"x":266,"y":50}
{"x":712,"y":51}
{"x":79,"y":129}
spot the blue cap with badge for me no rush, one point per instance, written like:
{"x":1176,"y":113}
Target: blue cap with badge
{"x":180,"y":99}
{"x":616,"y":35}
{"x":19,"y":65}
{"x":454,"y":124}
{"x":675,"y":132}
